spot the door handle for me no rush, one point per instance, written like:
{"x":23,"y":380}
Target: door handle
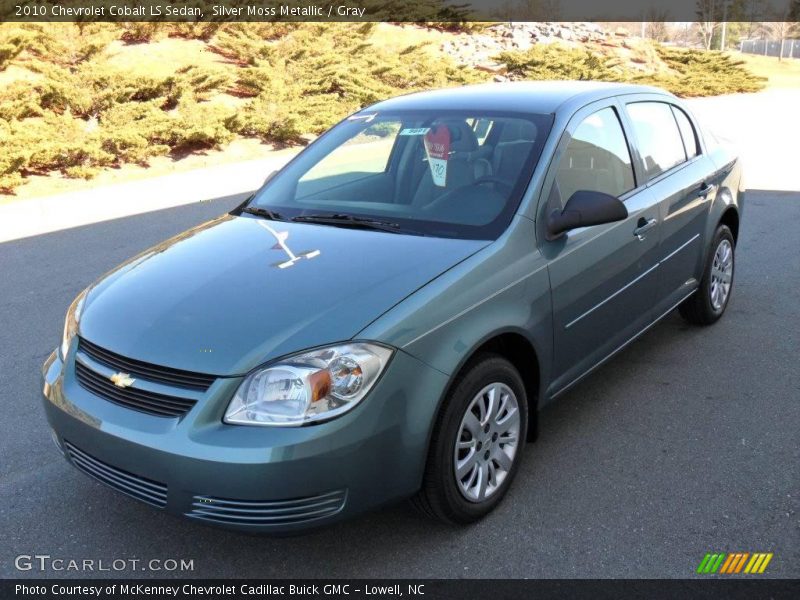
{"x":643,"y":226}
{"x":705,"y":189}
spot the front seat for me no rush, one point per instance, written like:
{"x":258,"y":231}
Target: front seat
{"x":514,"y":146}
{"x":466,"y":163}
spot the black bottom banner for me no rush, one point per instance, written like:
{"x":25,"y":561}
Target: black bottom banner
{"x":431,"y":589}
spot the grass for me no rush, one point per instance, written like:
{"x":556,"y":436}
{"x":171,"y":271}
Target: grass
{"x":781,"y":74}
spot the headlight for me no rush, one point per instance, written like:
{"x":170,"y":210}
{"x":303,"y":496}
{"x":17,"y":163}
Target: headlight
{"x":71,"y":323}
{"x":312,"y":386}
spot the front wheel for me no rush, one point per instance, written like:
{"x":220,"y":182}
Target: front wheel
{"x":477,"y":443}
{"x":709,"y":302}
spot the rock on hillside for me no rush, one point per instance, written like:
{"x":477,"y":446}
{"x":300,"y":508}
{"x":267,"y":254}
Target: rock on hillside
{"x":481,"y":49}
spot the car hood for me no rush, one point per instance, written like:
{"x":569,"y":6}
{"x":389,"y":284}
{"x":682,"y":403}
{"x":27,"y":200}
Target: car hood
{"x":230,"y":294}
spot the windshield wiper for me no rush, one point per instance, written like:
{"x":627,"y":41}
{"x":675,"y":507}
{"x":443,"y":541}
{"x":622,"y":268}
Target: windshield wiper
{"x":342,"y":220}
{"x":263,"y":212}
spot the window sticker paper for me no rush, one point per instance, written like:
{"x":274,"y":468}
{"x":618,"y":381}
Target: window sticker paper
{"x":415,"y":131}
{"x":437,"y":147}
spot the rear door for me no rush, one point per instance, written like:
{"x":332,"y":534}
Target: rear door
{"x":681,"y":178}
{"x":602,"y":277}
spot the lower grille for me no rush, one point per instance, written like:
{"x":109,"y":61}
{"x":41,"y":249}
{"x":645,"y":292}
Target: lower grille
{"x":274,"y":512}
{"x":149,"y":402}
{"x":146,"y":490}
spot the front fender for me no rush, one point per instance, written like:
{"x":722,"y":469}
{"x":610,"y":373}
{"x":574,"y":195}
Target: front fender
{"x":503,"y":288}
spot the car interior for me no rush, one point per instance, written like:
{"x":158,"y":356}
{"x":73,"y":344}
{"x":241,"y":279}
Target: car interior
{"x":485,"y":161}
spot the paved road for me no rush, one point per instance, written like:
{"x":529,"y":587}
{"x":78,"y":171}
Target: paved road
{"x":687,"y":442}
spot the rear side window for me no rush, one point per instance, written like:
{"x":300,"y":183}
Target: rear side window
{"x":687,"y":132}
{"x":657,"y":135}
{"x":595,"y":159}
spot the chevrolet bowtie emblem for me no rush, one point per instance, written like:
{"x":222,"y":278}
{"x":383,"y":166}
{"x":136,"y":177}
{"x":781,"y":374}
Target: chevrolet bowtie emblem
{"x":122,"y":380}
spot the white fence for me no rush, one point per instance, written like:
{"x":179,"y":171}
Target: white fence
{"x":782,"y":48}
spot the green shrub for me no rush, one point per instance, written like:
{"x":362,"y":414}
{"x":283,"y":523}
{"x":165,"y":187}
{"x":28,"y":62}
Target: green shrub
{"x":81,"y":172}
{"x":194,"y":30}
{"x":311,"y":78}
{"x":9,"y":181}
{"x":268,"y":121}
{"x":140,"y":32}
{"x":64,"y":44}
{"x":692,"y":72}
{"x":91,"y":88}
{"x":82,"y":113}
{"x":73,"y":146}
{"x":553,"y":61}
{"x":11,"y":45}
{"x":703,"y":73}
{"x":19,"y":101}
{"x":203,"y":82}
{"x":199,"y":126}
{"x":12,"y":160}
{"x":133,"y":132}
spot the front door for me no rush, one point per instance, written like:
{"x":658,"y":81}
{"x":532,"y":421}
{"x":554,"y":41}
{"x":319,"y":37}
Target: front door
{"x":602,"y":277}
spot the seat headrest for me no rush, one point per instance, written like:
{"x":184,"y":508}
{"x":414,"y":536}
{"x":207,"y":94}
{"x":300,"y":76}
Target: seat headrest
{"x":518,"y":130}
{"x":462,"y":138}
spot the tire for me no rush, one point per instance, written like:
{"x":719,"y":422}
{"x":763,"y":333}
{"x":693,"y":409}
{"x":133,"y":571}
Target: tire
{"x":442,"y":496}
{"x":708,"y":304}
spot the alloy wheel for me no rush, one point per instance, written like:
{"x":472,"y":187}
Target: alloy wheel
{"x":721,"y":275}
{"x":487,"y":442}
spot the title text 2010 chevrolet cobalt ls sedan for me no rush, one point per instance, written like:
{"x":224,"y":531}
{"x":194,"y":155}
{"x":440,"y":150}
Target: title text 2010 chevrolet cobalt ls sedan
{"x":385,"y":316}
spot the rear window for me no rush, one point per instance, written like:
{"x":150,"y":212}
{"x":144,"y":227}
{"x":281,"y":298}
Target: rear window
{"x":659,"y":141}
{"x":687,"y":132}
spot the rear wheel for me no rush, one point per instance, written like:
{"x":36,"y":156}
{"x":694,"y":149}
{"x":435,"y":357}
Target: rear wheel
{"x":709,"y":302}
{"x":477,"y":443}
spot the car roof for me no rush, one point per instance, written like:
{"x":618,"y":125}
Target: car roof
{"x":518,"y":96}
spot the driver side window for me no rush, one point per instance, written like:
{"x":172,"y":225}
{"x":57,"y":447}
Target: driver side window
{"x":595,"y":159}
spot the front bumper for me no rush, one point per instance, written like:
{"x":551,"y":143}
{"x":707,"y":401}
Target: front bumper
{"x":269,"y":479}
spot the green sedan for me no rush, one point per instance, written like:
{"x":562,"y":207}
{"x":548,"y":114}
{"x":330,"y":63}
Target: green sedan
{"x":385,"y":317}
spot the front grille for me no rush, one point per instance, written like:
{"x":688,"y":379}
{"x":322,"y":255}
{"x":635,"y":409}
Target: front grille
{"x":138,"y":399}
{"x":273,"y":512}
{"x":156,"y":373}
{"x":146,"y":490}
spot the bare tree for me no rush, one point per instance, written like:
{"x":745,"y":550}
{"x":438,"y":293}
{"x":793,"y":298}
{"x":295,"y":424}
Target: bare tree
{"x":783,"y":26}
{"x":656,"y":28}
{"x":708,"y":15}
{"x":778,"y":30}
{"x":684,"y":34}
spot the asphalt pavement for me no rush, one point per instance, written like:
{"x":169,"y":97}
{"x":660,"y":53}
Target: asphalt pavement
{"x":685,"y":443}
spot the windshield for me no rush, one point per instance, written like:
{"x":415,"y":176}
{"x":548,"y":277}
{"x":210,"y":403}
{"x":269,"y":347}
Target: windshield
{"x":439,"y":173}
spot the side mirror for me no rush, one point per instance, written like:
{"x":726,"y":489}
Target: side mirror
{"x":585,"y":208}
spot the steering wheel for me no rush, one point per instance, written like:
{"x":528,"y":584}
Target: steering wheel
{"x":504,"y":185}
